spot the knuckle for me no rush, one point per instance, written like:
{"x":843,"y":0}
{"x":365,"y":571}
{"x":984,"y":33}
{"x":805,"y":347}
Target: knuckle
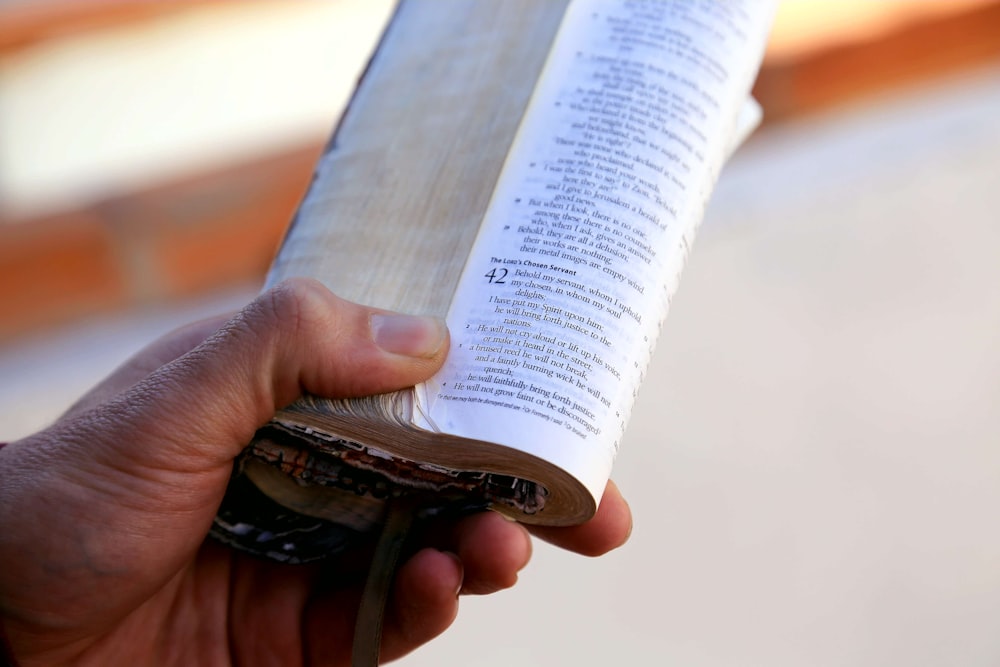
{"x":292,"y":308}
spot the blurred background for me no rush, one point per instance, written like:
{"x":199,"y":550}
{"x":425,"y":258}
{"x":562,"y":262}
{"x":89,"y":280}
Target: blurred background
{"x":814,"y":461}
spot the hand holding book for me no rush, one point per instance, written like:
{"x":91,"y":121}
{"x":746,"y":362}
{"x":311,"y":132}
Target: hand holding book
{"x":117,"y":497}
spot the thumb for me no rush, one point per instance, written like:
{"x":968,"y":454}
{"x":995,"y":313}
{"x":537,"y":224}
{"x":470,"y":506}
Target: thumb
{"x":171,"y":437}
{"x":296,"y":338}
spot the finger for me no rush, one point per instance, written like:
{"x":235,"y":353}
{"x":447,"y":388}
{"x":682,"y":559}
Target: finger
{"x":492,"y":550}
{"x":266,"y":604}
{"x":609,"y":529}
{"x":424,"y":602}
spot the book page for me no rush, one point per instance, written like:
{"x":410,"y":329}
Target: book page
{"x":570,"y":278}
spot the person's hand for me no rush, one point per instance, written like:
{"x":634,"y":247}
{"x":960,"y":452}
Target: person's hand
{"x":103,"y":517}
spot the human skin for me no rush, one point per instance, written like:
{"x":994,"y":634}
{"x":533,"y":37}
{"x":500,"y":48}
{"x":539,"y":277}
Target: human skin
{"x":103,"y":516}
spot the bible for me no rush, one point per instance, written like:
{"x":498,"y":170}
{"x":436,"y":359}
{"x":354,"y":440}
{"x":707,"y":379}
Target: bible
{"x":534,"y":173}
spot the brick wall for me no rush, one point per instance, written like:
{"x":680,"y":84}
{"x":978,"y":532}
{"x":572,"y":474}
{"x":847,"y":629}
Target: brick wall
{"x":205,"y":232}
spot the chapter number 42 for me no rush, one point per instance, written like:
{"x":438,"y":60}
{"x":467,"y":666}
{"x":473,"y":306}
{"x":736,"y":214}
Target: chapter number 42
{"x":496,"y":276}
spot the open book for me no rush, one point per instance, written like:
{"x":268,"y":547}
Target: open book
{"x":535,"y":173}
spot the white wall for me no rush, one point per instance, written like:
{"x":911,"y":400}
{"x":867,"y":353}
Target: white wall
{"x":123,"y":107}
